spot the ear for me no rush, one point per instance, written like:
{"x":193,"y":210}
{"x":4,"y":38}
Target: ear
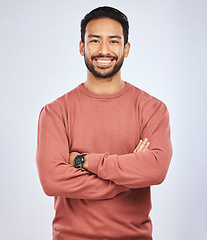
{"x":126,"y":49}
{"x":81,"y":48}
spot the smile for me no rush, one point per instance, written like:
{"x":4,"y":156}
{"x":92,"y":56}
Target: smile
{"x":104,"y":61}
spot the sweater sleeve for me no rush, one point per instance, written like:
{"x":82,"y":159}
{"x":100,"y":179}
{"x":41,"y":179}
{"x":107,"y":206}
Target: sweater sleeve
{"x":140,"y":169}
{"x":57,"y":177}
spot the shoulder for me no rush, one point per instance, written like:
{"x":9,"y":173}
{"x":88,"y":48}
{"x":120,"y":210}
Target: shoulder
{"x":60,"y":105}
{"x":147,"y":104}
{"x":145,"y":99}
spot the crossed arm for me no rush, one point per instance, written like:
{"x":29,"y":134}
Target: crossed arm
{"x":141,"y":147}
{"x":107,"y":175}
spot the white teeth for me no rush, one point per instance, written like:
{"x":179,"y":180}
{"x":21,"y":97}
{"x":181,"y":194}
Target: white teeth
{"x":104,"y":61}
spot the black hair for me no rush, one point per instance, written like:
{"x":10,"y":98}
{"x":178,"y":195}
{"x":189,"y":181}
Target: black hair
{"x":106,"y":12}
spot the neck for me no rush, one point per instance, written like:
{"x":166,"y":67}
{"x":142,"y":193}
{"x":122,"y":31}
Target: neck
{"x":104,"y":85}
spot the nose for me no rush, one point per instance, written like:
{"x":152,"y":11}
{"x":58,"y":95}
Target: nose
{"x":104,"y":48}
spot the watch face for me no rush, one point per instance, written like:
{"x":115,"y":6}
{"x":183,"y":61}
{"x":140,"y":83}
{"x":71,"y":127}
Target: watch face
{"x":78,"y":161}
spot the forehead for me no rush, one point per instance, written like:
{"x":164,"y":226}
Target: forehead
{"x":104,"y":26}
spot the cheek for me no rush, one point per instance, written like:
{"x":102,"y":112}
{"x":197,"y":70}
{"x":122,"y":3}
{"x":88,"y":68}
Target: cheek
{"x":121,"y":54}
{"x":89,"y":53}
{"x":119,"y":51}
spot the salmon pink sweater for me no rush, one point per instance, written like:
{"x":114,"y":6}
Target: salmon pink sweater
{"x":111,"y":200}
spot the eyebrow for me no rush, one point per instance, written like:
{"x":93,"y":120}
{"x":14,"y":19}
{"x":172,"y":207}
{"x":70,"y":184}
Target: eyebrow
{"x":115,"y":36}
{"x":98,"y":36}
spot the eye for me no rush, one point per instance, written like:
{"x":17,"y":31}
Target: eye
{"x":114,"y":41}
{"x":94,"y":41}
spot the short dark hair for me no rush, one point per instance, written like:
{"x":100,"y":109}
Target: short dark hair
{"x":106,"y":12}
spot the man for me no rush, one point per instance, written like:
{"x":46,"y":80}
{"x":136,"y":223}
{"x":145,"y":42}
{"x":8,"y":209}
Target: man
{"x":103,"y":144}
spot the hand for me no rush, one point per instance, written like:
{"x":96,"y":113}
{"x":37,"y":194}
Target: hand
{"x":142,"y":146}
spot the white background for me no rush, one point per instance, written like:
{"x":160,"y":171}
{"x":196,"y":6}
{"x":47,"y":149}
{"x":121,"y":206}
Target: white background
{"x":40,"y":61}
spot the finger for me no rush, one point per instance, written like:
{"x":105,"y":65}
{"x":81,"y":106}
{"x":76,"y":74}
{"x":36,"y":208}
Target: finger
{"x":142,"y":146}
{"x":137,"y":147}
{"x":145,"y":148}
{"x":140,"y":142}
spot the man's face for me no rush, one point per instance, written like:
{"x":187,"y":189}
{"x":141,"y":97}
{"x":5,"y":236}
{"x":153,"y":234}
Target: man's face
{"x":103,"y":47}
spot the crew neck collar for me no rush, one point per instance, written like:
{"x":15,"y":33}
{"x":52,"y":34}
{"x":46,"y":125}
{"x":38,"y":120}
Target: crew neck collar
{"x":104,"y":96}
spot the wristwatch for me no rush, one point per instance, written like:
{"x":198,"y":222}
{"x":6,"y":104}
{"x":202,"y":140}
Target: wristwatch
{"x":79,"y":161}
